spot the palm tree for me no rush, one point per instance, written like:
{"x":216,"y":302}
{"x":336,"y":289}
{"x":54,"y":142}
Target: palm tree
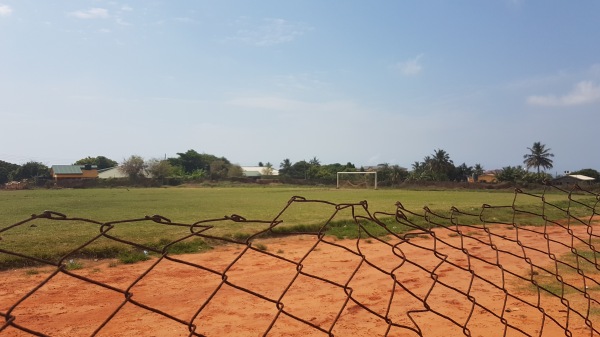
{"x":441,"y":164}
{"x":417,"y":166}
{"x":478,"y":169}
{"x":315,"y":162}
{"x":539,"y":156}
{"x":285,"y":167}
{"x":286,"y":164}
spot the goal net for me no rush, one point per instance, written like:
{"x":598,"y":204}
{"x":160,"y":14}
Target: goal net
{"x":357,"y":180}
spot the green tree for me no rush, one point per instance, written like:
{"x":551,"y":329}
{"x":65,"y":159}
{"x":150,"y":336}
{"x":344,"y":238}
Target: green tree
{"x":398,"y":174}
{"x":418,"y":169}
{"x":418,"y":166}
{"x":86,"y":161}
{"x":328,"y":173}
{"x":478,"y":170}
{"x":219,"y":169}
{"x":462,"y":172}
{"x":159,"y":168}
{"x":299,"y":170}
{"x":441,"y":165}
{"x":7,"y":171}
{"x":4,"y":175}
{"x":285,"y":167}
{"x":390,"y":175}
{"x":235,"y":171}
{"x":101,"y":162}
{"x":314,"y":169}
{"x":383,"y":173}
{"x":437,"y":167}
{"x":512,"y":174}
{"x":31,"y":170}
{"x":539,"y":156}
{"x":133,"y":166}
{"x":267,"y":169}
{"x":190,"y":161}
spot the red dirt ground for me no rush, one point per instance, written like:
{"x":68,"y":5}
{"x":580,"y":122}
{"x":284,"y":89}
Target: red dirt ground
{"x":439,"y":291}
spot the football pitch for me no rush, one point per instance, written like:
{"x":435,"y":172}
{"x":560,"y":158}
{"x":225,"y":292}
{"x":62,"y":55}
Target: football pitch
{"x":51,"y":239}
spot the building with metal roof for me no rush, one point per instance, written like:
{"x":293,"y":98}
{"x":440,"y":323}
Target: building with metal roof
{"x":59,"y":172}
{"x":572,"y":179}
{"x":259,"y":171}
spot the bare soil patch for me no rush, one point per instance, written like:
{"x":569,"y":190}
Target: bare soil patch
{"x":464,"y":281}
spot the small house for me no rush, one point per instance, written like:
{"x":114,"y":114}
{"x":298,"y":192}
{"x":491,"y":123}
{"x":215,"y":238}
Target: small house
{"x":111,"y":173}
{"x":486,"y":177}
{"x":573,"y":179}
{"x":115,"y":173}
{"x":258,"y":171}
{"x":61,"y":172}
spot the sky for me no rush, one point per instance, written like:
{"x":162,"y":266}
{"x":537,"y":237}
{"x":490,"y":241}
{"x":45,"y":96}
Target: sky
{"x":366,"y":82}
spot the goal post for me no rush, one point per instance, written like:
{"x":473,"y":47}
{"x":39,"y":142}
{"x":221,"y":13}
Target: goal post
{"x":357,"y":180}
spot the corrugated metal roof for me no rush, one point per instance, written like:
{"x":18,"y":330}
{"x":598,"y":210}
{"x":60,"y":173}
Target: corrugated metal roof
{"x":112,"y":172}
{"x":66,"y":169}
{"x":580,"y":177}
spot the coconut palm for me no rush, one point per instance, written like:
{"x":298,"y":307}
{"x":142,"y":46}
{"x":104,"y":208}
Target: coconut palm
{"x":539,"y":157}
{"x":440,"y":164}
{"x":478,"y":169}
{"x":286,"y":164}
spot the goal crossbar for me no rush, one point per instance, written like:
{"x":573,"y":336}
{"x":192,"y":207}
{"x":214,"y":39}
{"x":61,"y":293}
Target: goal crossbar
{"x":351,"y":173}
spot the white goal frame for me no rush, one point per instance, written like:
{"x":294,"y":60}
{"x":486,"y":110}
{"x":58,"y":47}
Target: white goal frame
{"x":365,"y":173}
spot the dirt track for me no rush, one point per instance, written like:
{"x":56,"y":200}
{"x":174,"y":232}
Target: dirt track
{"x":435,"y":295}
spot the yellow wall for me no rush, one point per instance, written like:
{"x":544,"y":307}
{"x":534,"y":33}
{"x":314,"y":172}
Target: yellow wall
{"x":488,"y":178}
{"x":485,"y":178}
{"x":90,"y":173}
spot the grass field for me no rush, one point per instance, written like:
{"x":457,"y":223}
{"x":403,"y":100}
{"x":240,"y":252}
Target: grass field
{"x":191,"y":204}
{"x":50,"y":239}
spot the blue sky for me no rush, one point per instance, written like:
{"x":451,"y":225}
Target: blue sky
{"x":360,"y":81}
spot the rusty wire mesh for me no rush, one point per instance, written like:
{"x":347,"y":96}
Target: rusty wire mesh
{"x":471,"y":273}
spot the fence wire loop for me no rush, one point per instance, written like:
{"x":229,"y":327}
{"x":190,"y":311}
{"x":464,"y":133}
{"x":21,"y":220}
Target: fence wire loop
{"x":236,"y":218}
{"x":158,"y":218}
{"x":50,"y":215}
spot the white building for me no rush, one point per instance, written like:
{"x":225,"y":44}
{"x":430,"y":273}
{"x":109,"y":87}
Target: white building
{"x":258,"y":171}
{"x":114,"y":172}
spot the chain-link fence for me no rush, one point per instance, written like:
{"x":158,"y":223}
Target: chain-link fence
{"x":524,"y":269}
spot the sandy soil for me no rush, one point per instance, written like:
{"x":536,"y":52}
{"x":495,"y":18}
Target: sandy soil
{"x":456,"y":282}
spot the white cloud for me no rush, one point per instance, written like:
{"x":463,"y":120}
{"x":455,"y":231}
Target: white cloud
{"x":410,"y":67}
{"x":5,"y":10}
{"x":271,"y":32}
{"x":585,"y":92}
{"x":92,"y":13}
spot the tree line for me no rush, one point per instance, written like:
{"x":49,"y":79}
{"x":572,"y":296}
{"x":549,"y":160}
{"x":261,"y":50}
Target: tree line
{"x":194,"y":166}
{"x":189,"y":165}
